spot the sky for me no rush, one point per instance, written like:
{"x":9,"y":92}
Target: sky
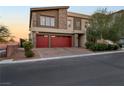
{"x":16,"y":18}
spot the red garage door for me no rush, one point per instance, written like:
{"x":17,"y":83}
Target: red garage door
{"x":61,"y":41}
{"x":42,"y":41}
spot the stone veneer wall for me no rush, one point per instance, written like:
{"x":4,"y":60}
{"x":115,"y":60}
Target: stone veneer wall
{"x":62,"y":18}
{"x":34,"y":20}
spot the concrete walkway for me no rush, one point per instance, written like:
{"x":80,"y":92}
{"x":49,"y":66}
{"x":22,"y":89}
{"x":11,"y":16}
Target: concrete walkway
{"x":59,"y":57}
{"x":43,"y":54}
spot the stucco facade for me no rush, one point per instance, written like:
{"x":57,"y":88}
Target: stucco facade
{"x":61,"y":28}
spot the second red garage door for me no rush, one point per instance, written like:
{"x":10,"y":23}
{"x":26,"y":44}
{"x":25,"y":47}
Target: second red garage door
{"x":61,"y":41}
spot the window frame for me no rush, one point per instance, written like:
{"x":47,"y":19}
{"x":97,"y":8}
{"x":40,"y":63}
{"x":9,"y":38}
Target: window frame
{"x":77,"y":19}
{"x":69,"y":25}
{"x":48,"y":21}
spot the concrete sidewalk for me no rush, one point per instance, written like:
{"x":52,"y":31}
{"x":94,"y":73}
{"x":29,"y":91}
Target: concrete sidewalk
{"x":59,"y":57}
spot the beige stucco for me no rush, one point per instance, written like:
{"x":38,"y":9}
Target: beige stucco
{"x":53,"y":30}
{"x":78,"y":15}
{"x":75,"y":40}
{"x":33,"y":36}
{"x":83,"y":23}
{"x":70,"y":19}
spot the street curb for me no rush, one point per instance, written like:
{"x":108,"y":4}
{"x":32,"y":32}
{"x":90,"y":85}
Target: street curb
{"x":62,"y":57}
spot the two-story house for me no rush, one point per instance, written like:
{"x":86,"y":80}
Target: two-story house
{"x":56,"y":27}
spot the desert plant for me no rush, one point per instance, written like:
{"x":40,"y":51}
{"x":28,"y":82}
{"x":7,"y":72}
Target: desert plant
{"x":101,"y":47}
{"x":29,"y":53}
{"x":89,"y":45}
{"x":27,"y":45}
{"x":28,"y":49}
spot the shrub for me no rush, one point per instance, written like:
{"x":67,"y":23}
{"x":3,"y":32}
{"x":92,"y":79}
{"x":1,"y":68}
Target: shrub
{"x":29,"y":53}
{"x":101,"y":47}
{"x":89,"y":45}
{"x":113,"y":47}
{"x":27,"y":45}
{"x":116,"y":47}
{"x":110,"y":47}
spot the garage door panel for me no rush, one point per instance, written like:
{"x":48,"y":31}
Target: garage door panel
{"x":42,"y":41}
{"x":61,"y":41}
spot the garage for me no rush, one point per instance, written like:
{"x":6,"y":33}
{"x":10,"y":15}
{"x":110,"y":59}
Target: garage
{"x":42,"y":41}
{"x":61,"y":41}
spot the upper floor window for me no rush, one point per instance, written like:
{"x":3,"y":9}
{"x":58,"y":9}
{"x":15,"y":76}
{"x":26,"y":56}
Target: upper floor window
{"x":69,"y":23}
{"x":47,"y":21}
{"x":77,"y":24}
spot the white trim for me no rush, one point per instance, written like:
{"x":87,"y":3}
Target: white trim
{"x":62,"y":57}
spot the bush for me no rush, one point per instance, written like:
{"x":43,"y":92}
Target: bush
{"x":89,"y":45}
{"x":116,"y":47}
{"x":29,"y":53}
{"x":113,"y":47}
{"x":27,"y":45}
{"x":101,"y":47}
{"x":110,"y":47}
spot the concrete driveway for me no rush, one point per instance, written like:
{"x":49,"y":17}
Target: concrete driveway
{"x":49,"y":52}
{"x":55,"y":52}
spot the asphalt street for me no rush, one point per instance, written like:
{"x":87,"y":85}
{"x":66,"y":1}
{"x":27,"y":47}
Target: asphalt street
{"x":97,"y":70}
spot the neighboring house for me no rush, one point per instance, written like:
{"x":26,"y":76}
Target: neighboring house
{"x":55,"y":27}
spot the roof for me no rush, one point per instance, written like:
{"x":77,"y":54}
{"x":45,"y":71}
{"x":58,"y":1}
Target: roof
{"x":49,"y":8}
{"x":73,"y":14}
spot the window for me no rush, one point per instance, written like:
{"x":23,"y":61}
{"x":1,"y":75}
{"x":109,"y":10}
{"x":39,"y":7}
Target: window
{"x":42,"y":20}
{"x":47,"y":21}
{"x":52,"y":21}
{"x":69,"y":23}
{"x":77,"y":24}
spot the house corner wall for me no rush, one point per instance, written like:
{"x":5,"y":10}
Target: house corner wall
{"x":33,"y":38}
{"x":75,"y":40}
{"x":62,"y":18}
